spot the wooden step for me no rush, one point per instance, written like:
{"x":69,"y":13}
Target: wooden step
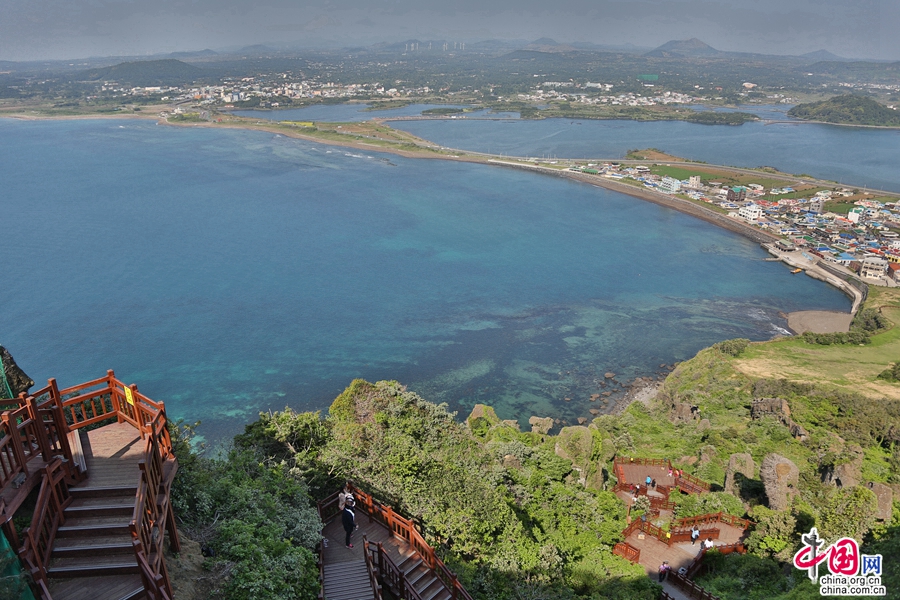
{"x":111,"y":587}
{"x":86,"y":569}
{"x":102,"y":491}
{"x":87,"y":549}
{"x":93,"y":530}
{"x":410,"y":564}
{"x":348,"y":581}
{"x":100,"y":510}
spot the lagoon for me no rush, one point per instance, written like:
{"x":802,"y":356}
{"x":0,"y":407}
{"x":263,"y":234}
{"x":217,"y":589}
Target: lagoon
{"x":228,"y":272}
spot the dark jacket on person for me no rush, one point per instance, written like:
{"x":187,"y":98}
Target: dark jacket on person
{"x":348,"y":518}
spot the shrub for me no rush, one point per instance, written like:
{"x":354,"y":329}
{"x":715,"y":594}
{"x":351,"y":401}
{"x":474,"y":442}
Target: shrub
{"x":732,"y":347}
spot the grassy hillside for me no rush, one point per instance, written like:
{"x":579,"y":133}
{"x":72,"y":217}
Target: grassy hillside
{"x":848,"y":367}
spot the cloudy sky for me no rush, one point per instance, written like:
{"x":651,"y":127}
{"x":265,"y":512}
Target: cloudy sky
{"x":64,"y":29}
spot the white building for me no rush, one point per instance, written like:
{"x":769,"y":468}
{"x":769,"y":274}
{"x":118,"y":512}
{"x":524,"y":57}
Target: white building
{"x":873,"y":267}
{"x":694,"y":182}
{"x":751,"y":212}
{"x":669,"y":185}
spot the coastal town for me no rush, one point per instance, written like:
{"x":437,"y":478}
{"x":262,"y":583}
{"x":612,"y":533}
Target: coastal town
{"x":844,"y":227}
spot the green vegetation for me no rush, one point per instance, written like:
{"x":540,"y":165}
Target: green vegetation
{"x":188,"y":117}
{"x":849,"y":109}
{"x":254,"y":516}
{"x":720,"y":118}
{"x":443,"y":111}
{"x":518,"y":514}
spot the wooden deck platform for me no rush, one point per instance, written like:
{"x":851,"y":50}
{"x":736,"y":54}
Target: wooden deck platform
{"x":374,"y":531}
{"x":112,"y":453}
{"x":637,"y":473}
{"x":654,"y":552}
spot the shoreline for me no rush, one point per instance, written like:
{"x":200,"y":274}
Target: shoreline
{"x":681,"y":205}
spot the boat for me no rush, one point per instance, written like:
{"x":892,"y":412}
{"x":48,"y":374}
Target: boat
{"x":795,"y":271}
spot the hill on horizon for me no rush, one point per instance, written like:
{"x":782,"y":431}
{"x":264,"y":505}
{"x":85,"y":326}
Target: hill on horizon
{"x":168,"y":71}
{"x":684,"y":48}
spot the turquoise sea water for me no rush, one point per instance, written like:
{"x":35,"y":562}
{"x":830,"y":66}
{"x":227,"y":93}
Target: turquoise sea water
{"x":228,"y":272}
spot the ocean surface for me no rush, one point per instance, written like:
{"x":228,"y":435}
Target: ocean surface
{"x":229,"y":272}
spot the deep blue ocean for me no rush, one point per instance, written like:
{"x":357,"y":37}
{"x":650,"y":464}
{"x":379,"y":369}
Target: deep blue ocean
{"x":228,"y":272}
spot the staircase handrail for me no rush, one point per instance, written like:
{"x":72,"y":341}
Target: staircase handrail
{"x":154,"y":587}
{"x":371,"y":569}
{"x":48,"y":516}
{"x":406,"y":529}
{"x":14,"y":461}
{"x":401,"y":527}
{"x":394,"y":577}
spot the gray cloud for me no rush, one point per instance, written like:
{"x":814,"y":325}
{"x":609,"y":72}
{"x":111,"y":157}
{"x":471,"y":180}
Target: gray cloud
{"x":36,"y":29}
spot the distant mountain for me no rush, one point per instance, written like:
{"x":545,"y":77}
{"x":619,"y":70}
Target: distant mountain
{"x":849,"y":109}
{"x":626,"y":48}
{"x":144,"y":73}
{"x":256,"y":50}
{"x":824,"y":55}
{"x":198,"y":54}
{"x":684,"y":48}
{"x":549,"y":45}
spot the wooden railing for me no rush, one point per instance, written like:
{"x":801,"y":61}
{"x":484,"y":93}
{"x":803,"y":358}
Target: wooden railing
{"x":369,"y":551}
{"x":154,"y":584}
{"x":402,"y":528}
{"x":42,"y":422}
{"x":405,"y":529}
{"x":392,"y":576}
{"x":627,"y":551}
{"x":690,"y":589}
{"x":48,"y":516}
{"x":684,"y":481}
{"x":711,"y":518}
{"x":690,"y":484}
{"x":150,"y":518}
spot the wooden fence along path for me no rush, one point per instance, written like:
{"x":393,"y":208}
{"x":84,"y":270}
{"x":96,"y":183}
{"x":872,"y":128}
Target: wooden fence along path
{"x":649,"y":545}
{"x":395,"y":554}
{"x":101,"y":454}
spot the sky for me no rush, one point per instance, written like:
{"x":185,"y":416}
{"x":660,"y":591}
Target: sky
{"x":70,"y":29}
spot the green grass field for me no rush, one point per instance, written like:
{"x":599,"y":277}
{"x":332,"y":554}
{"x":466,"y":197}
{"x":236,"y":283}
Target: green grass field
{"x":851,"y":367}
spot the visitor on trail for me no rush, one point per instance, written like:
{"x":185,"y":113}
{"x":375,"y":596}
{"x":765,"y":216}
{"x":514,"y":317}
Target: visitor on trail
{"x":348,"y":519}
{"x":670,"y":471}
{"x":644,"y":518}
{"x":653,"y":484}
{"x":648,"y":480}
{"x":695,"y":534}
{"x":708,"y":543}
{"x":344,"y":494}
{"x":663,"y":570}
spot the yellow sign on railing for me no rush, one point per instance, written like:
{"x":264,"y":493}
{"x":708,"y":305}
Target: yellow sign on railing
{"x":129,"y":396}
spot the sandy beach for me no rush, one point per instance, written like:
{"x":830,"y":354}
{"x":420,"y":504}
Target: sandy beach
{"x":819,"y":321}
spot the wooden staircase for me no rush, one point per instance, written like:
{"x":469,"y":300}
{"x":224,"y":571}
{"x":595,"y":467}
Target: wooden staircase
{"x":348,"y":581}
{"x":103,"y":510}
{"x":394,"y":555}
{"x":423,"y":579}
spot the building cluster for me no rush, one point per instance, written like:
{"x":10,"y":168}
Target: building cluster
{"x":555,"y":90}
{"x":270,"y":91}
{"x":863,"y":240}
